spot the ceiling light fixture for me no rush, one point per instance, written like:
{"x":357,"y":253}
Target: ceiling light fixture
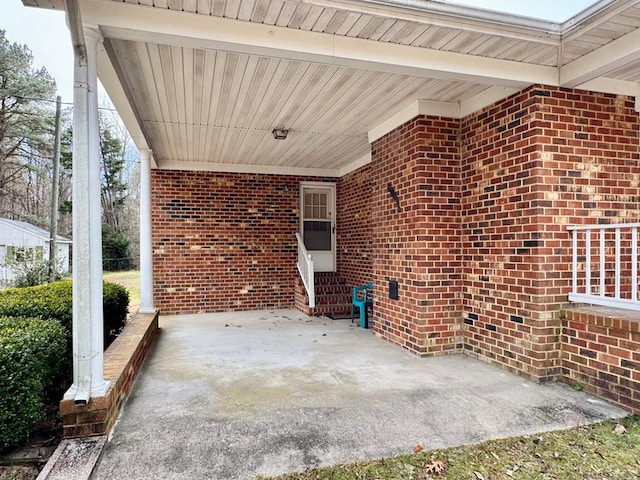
{"x":280,"y":133}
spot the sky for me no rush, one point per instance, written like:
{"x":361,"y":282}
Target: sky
{"x":552,"y":10}
{"x":46,"y":34}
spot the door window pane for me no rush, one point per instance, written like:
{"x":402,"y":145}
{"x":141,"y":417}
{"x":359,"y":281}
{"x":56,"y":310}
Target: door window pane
{"x":317,"y":235}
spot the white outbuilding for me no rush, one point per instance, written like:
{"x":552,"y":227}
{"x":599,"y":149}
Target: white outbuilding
{"x":21,"y":240}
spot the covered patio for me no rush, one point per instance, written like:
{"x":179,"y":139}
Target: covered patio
{"x":234,"y":395}
{"x":445,"y":150}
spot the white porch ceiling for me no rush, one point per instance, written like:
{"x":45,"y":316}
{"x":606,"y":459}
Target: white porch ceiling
{"x":203,"y":82}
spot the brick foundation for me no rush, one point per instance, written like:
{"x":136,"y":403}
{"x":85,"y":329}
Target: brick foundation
{"x":601,"y":353}
{"x":122,"y":362}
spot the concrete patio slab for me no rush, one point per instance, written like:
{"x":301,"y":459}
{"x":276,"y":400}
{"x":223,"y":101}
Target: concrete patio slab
{"x":235,"y":395}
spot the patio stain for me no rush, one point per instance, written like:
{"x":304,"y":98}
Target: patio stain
{"x":235,"y":391}
{"x":292,"y":388}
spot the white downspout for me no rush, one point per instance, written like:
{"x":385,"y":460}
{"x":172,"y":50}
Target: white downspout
{"x":88,"y":368}
{"x":98,"y":384}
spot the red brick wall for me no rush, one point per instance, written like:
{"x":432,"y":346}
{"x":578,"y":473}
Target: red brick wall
{"x":601,"y":353}
{"x":355,"y":227}
{"x":532,"y":164}
{"x":480,"y":247}
{"x":590,"y":148}
{"x":419,"y":246}
{"x":223,"y":241}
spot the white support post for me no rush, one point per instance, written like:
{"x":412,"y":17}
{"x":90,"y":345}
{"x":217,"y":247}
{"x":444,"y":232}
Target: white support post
{"x":146,"y":245}
{"x":88,"y":366}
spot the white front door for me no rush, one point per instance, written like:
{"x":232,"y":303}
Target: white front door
{"x":318,"y":223}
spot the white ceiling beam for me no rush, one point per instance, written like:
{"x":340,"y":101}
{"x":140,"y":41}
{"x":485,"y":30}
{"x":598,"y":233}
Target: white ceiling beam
{"x":113,"y":87}
{"x":394,"y":121}
{"x":612,"y":86}
{"x":132,"y":22}
{"x":243,"y":168}
{"x":429,"y":63}
{"x":598,"y":63}
{"x":350,"y":167}
{"x":441,"y":109}
{"x":488,"y":97}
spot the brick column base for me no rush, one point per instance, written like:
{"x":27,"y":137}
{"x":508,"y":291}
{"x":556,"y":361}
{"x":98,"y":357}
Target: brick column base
{"x":122,"y":362}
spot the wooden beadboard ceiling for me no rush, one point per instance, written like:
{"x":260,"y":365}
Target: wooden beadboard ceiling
{"x":205,"y":81}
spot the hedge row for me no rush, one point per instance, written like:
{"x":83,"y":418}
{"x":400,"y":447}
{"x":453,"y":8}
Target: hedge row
{"x":31,"y":353}
{"x":36,"y":353}
{"x":54,"y":301}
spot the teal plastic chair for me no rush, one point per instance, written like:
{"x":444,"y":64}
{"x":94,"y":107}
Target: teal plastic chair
{"x":363,"y":299}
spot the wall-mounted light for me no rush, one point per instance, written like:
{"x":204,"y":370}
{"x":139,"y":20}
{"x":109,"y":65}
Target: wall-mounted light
{"x":280,"y":133}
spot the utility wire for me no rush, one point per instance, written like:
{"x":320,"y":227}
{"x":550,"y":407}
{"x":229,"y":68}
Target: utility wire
{"x":53,"y":101}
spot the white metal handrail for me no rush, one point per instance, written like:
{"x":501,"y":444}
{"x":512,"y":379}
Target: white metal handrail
{"x":614,"y":282}
{"x":305,"y":268}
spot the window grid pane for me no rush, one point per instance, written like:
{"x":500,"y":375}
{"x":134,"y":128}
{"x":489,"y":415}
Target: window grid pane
{"x":315,"y":205}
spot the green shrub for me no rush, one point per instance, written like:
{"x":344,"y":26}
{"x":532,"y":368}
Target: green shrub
{"x":115,"y":306}
{"x":54,"y":301}
{"x":31,"y":352}
{"x":31,"y":370}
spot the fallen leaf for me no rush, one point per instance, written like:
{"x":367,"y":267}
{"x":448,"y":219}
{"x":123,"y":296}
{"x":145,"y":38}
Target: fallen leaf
{"x":495,"y":456}
{"x":619,"y":430}
{"x":478,"y":475}
{"x":436,"y":467}
{"x":418,"y":448}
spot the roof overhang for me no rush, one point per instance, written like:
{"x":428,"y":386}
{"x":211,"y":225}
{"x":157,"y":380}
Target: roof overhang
{"x":203,"y":83}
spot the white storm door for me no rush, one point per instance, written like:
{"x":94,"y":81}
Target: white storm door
{"x":318,"y":223}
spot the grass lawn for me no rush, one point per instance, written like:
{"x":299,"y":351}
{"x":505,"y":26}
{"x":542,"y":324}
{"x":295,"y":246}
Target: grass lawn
{"x":596,"y":452}
{"x":130,"y":280}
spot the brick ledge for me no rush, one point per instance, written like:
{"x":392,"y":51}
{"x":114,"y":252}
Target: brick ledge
{"x":601,"y":353}
{"x":122,"y":362}
{"x":605,"y":316}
